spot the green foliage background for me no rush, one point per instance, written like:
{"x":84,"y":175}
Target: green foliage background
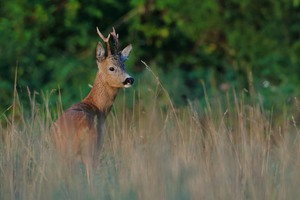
{"x":52,"y":42}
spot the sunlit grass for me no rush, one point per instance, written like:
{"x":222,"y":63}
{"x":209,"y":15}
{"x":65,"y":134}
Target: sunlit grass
{"x":223,"y":150}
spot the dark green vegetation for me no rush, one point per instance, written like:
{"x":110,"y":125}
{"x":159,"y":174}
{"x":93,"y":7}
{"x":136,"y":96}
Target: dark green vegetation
{"x":241,"y":44}
{"x":219,"y":121}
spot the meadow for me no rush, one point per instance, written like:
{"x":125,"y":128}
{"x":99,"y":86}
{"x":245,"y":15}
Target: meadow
{"x":229,"y":148}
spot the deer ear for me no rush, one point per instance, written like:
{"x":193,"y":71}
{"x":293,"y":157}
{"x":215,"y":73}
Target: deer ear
{"x":125,"y":52}
{"x":100,"y":52}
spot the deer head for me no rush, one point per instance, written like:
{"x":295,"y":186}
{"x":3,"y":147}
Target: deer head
{"x":111,"y":63}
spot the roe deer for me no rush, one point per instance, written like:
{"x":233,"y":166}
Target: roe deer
{"x":78,"y":131}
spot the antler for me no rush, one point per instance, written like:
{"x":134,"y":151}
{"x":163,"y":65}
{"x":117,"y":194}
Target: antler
{"x":116,"y":39}
{"x":106,"y":40}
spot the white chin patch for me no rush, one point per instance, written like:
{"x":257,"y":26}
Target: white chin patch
{"x":127,"y":85}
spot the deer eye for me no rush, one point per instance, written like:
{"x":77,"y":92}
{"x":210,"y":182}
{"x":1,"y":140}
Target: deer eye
{"x":111,"y":69}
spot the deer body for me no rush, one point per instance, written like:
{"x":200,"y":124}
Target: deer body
{"x":78,"y":131}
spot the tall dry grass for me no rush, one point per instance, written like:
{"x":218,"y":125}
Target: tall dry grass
{"x":236,"y":151}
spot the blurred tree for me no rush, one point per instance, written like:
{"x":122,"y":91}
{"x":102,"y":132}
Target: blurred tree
{"x":51,"y":42}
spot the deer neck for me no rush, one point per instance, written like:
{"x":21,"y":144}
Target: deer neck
{"x":101,"y":95}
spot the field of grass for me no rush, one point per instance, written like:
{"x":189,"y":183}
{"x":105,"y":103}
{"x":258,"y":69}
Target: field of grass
{"x":223,"y":150}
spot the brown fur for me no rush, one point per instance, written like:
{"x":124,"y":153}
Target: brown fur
{"x":78,"y":131}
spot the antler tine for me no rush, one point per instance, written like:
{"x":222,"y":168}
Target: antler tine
{"x":116,"y":39}
{"x":106,"y":40}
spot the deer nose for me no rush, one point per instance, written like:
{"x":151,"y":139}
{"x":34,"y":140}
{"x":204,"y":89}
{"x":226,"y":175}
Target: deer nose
{"x":128,"y":81}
